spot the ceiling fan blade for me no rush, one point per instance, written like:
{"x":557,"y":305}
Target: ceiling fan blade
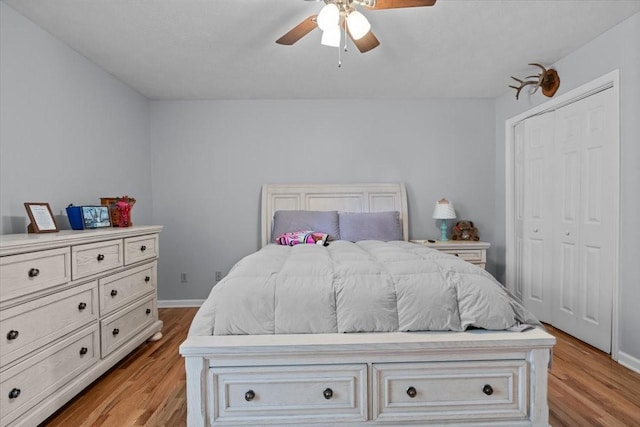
{"x":299,"y":31}
{"x":397,"y":4}
{"x":366,"y":43}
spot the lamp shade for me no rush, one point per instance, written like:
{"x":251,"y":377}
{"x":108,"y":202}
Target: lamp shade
{"x":331,"y":36}
{"x":329,"y":16}
{"x":444,"y":210}
{"x":358,"y":25}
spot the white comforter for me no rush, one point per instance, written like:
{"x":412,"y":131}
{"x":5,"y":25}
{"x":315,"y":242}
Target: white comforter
{"x":368,"y":286}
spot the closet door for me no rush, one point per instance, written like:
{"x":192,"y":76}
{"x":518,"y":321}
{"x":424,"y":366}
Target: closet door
{"x":536,"y":172}
{"x":584,"y":194}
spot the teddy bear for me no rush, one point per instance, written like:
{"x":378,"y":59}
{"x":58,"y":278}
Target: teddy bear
{"x":464,"y":230}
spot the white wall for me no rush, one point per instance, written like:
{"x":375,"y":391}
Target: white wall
{"x":210,"y":158}
{"x":70,"y":132}
{"x":618,"y":48}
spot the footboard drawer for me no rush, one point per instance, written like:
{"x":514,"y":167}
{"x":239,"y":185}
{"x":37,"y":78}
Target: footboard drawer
{"x":289,"y":394}
{"x":436,"y":392}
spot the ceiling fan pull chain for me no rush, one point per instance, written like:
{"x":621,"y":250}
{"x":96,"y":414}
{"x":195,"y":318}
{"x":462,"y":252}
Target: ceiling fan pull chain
{"x":345,"y":37}
{"x":339,"y":58}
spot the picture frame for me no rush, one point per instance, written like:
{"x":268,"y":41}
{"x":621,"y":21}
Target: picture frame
{"x":96,"y":216}
{"x":41,"y":217}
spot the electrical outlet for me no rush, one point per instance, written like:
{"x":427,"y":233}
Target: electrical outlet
{"x":218,"y":276}
{"x":183,"y":278}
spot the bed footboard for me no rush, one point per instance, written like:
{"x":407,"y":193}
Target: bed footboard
{"x":477,"y":378}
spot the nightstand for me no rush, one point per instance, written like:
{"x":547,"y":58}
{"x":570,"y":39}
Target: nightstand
{"x":473,"y":252}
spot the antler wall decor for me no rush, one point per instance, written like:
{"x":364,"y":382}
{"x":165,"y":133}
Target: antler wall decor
{"x":548,"y":80}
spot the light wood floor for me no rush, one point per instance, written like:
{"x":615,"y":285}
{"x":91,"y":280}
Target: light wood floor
{"x":586,"y":388}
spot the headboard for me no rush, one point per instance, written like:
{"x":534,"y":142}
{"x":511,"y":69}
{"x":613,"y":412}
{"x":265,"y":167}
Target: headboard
{"x":333,"y":197}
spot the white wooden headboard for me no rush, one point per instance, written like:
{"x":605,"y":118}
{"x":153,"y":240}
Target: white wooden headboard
{"x":333,"y":197}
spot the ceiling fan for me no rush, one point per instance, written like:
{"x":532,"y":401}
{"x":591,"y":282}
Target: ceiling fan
{"x":339,"y":15}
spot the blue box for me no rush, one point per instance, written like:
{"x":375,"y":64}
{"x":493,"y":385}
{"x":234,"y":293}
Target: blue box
{"x":75,"y":217}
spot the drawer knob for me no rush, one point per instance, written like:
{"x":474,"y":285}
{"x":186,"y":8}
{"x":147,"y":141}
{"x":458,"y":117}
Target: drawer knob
{"x":249,"y":396}
{"x":143,"y":248}
{"x":147,"y":278}
{"x":487,"y":389}
{"x":33,"y":272}
{"x":412,"y":392}
{"x":148,"y":311}
{"x":14,"y":393}
{"x":100,"y":257}
{"x":12,"y":335}
{"x":116,"y":331}
{"x":82,"y":306}
{"x":114,"y":292}
{"x":327,"y":393}
{"x":83,"y":351}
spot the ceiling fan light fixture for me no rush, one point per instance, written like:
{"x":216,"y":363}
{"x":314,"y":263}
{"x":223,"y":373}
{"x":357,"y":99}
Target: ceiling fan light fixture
{"x":358,"y":25}
{"x":328,"y":17}
{"x":331,"y":36}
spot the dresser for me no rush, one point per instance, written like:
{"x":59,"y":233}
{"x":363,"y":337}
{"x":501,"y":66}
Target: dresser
{"x":72,"y":304}
{"x":470,"y":251}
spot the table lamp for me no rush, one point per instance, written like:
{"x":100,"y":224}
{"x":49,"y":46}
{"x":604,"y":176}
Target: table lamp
{"x":444,"y":211}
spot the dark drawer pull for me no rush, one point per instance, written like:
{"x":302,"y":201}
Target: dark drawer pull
{"x":116,"y":331}
{"x":249,"y":396}
{"x":147,"y":278}
{"x":327,"y":393}
{"x":100,"y":257}
{"x":12,"y":335}
{"x":82,"y":306}
{"x":487,"y":389}
{"x":412,"y":392}
{"x":83,"y":351}
{"x":14,"y":393}
{"x":33,"y":272}
{"x":114,"y":292}
{"x":143,"y":248}
{"x":148,"y":311}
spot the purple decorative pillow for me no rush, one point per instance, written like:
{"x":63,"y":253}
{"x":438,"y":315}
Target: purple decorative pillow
{"x":384,"y":226}
{"x":320,"y":221}
{"x":302,"y":237}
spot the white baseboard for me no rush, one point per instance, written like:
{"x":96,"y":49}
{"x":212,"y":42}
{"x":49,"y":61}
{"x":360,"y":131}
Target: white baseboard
{"x":629,"y":361}
{"x":175,"y":303}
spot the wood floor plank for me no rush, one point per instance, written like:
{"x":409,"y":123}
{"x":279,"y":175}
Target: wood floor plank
{"x":147,"y":388}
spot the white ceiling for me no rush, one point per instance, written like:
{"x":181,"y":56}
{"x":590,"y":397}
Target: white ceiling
{"x":225,"y":49}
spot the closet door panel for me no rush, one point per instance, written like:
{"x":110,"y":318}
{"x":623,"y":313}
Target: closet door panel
{"x":537,"y":216}
{"x":588,"y":203}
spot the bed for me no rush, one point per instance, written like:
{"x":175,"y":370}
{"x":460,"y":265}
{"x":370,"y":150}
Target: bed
{"x":279,"y":359}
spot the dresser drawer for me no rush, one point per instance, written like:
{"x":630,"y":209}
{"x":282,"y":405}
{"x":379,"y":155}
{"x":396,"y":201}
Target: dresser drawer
{"x":118,"y":328}
{"x":290,"y":393}
{"x":435,"y":391}
{"x":27,"y":327}
{"x":140,"y":248}
{"x":27,"y":273}
{"x":94,"y":258}
{"x":26,"y":384}
{"x":120,"y":289}
{"x":469,"y":255}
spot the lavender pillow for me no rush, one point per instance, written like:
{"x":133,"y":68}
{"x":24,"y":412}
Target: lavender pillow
{"x":384,"y":226}
{"x":290,"y":221}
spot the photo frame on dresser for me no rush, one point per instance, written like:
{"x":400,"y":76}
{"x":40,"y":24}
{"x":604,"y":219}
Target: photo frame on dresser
{"x":96,"y":216}
{"x":41,"y":217}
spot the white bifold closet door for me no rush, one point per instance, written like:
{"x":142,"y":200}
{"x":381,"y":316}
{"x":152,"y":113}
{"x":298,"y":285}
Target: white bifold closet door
{"x":566,"y":181}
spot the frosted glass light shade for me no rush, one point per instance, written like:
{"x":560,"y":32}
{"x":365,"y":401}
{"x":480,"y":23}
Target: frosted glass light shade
{"x":331,"y":36}
{"x":328,"y":17}
{"x":358,"y":25}
{"x":444,"y":210}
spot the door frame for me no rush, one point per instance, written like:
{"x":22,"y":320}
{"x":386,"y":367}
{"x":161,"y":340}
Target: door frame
{"x":609,"y":80}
